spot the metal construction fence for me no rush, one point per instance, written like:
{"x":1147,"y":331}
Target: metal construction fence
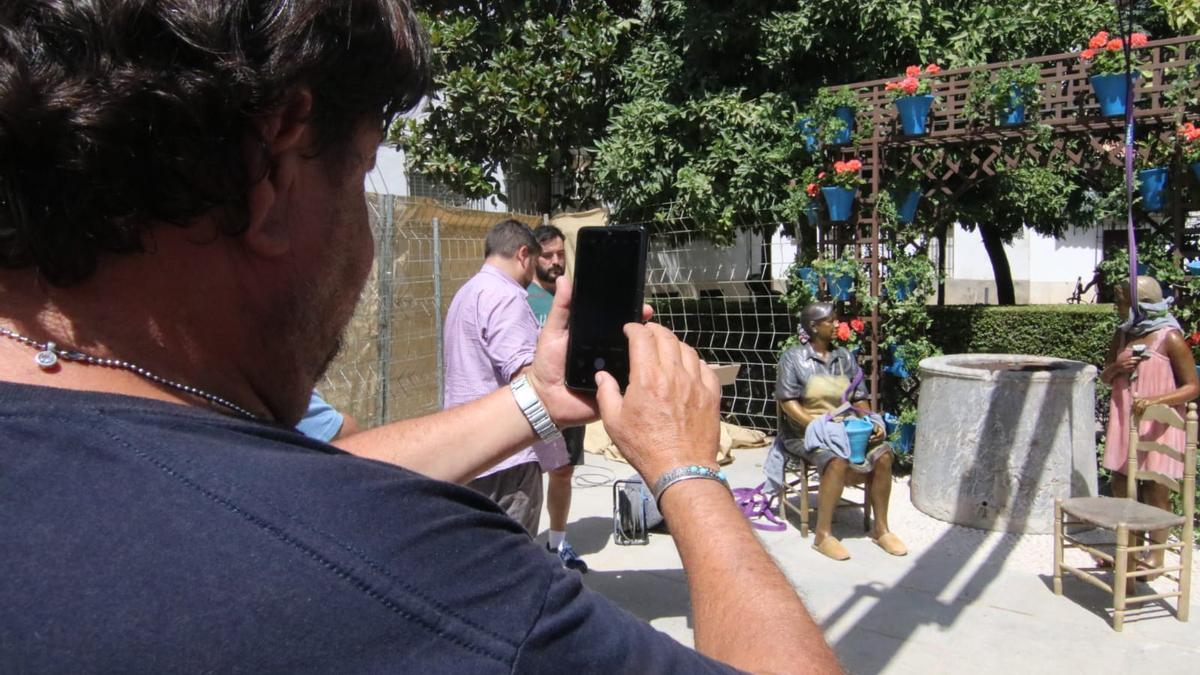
{"x":390,"y":367}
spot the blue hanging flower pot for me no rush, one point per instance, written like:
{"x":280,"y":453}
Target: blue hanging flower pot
{"x":1110,"y":92}
{"x":808,"y":276}
{"x":841,"y":286}
{"x":1196,"y":169}
{"x":914,"y":113}
{"x":1152,"y":185}
{"x":904,"y":444}
{"x":839,"y":201}
{"x":810,"y":212}
{"x":906,"y":210}
{"x":809,"y":130}
{"x":1014,"y":114}
{"x":846,"y":115}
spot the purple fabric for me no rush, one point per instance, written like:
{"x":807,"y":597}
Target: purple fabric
{"x":490,"y":336}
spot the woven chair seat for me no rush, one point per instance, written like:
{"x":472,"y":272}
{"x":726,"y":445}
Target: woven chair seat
{"x":1108,"y":512}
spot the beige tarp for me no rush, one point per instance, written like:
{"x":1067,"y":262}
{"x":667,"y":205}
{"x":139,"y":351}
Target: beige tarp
{"x":404,"y":325}
{"x":596,"y":441}
{"x":570,"y":223}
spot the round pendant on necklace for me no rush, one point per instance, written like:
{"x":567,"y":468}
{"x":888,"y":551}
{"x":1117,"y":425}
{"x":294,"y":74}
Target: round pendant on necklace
{"x":47,"y":358}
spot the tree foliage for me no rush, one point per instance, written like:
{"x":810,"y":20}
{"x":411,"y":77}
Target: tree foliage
{"x":523,"y":86}
{"x":689,"y":106}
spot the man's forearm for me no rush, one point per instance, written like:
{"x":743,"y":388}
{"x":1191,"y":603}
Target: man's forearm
{"x":745,"y":611}
{"x":453,"y":445}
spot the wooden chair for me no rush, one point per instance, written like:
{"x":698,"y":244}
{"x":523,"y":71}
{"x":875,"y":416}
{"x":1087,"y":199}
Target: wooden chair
{"x":1128,"y":516}
{"x":801,"y":470}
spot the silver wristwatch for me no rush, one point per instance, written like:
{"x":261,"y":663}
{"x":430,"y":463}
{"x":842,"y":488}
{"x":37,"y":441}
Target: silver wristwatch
{"x":535,"y":412}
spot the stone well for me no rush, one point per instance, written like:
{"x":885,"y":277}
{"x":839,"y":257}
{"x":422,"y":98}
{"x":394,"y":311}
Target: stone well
{"x":1001,"y":436}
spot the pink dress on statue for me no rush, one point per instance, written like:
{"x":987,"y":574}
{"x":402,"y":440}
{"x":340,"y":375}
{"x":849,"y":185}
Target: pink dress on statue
{"x":1155,"y":378}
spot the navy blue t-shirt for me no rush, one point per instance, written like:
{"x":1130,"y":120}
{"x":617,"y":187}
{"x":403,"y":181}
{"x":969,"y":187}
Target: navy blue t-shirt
{"x":141,"y":536}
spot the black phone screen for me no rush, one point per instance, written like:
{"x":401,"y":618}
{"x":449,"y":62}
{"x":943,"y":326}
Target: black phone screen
{"x":610,"y":271}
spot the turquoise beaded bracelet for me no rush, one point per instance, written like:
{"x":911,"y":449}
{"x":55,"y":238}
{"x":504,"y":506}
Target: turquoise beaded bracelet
{"x":685,"y":473}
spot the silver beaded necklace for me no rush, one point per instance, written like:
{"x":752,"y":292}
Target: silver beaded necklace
{"x":49,"y":355}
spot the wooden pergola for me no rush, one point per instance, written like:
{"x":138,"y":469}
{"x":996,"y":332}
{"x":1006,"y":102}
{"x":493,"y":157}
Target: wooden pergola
{"x":1068,"y":108}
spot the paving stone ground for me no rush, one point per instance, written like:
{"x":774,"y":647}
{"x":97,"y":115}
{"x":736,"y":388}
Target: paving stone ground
{"x":962,"y":601}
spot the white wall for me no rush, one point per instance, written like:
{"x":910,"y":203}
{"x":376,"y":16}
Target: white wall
{"x":1044,"y":269}
{"x":390,"y":177}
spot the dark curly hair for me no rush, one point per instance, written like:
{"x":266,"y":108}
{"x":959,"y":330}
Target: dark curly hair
{"x":115,"y":114}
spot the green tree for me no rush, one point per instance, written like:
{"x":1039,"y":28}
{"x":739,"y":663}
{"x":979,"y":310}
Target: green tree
{"x":521,"y":86}
{"x":713,"y":91}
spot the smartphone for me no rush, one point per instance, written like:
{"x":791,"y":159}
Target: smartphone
{"x":610,"y":279}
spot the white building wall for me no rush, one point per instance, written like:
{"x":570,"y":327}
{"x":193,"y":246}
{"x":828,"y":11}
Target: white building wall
{"x":1044,"y":269}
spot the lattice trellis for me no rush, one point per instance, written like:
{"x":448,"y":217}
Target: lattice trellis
{"x":966,"y":152}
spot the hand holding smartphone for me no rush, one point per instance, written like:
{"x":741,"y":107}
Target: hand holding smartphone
{"x":610,"y":276}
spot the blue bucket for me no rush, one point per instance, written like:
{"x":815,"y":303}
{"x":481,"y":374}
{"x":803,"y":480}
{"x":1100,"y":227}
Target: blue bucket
{"x":1152,"y":184}
{"x":1110,"y":92}
{"x":907,"y":209}
{"x":846,"y":115}
{"x":839,"y":201}
{"x":858,"y":430}
{"x":841,"y":287}
{"x":914,"y":113}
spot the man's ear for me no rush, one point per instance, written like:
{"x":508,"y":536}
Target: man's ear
{"x":273,"y":155}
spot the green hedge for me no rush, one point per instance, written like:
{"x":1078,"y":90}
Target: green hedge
{"x":1076,"y":332}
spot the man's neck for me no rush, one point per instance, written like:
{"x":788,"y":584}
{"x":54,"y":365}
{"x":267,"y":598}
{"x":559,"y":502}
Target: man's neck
{"x":155,"y":329}
{"x":510,"y":267}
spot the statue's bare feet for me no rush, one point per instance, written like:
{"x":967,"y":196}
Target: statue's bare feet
{"x":831,"y":547}
{"x":891,"y":543}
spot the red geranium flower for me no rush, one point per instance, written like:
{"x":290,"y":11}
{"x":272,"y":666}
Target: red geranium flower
{"x":1194,"y":339}
{"x":933,"y":69}
{"x":843,"y":330}
{"x":912,"y":71}
{"x":820,"y":175}
{"x":1114,"y":44}
{"x":854,"y":165}
{"x":1087,"y":54}
{"x":812,"y":189}
{"x":857,"y":325}
{"x":1098,"y":40}
{"x":909,"y":85}
{"x":1138,"y":40}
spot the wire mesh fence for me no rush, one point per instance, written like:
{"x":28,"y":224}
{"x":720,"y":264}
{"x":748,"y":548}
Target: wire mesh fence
{"x":725,"y":302}
{"x":390,"y":364}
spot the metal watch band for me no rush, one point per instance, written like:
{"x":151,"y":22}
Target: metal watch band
{"x":529,"y":403}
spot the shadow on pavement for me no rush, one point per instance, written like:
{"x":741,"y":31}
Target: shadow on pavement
{"x":647,"y":594}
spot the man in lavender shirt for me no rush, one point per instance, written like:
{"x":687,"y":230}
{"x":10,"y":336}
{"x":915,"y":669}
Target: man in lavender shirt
{"x":490,"y":338}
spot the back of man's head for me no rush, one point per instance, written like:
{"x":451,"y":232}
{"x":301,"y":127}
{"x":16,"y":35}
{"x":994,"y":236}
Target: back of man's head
{"x":507,"y":237}
{"x":116,"y":115}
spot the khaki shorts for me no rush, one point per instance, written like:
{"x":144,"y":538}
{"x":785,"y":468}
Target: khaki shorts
{"x":517,"y":490}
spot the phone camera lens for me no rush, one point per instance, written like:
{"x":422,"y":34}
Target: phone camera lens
{"x":599,"y":363}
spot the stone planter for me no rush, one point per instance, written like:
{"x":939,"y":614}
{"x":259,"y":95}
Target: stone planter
{"x":1001,"y":437}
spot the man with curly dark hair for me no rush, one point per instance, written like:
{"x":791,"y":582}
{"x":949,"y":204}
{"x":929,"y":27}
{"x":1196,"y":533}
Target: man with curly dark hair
{"x":183,"y":237}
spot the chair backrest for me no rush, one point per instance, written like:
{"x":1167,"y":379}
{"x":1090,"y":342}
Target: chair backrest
{"x":1166,"y":415}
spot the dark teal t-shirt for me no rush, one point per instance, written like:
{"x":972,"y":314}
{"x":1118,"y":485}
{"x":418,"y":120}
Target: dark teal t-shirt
{"x":540,"y":301}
